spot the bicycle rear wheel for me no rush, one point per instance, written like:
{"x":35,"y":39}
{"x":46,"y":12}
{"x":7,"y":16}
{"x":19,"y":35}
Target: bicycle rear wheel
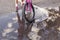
{"x":29,"y":14}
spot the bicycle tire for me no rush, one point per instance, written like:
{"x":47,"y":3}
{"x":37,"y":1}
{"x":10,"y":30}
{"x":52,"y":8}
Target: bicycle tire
{"x":30,"y":21}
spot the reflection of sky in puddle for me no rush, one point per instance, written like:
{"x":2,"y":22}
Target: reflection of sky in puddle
{"x":8,"y":27}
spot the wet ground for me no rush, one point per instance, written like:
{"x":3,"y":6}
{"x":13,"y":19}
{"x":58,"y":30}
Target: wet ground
{"x":9,"y":25}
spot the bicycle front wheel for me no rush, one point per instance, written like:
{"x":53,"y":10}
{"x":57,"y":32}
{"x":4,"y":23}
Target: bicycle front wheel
{"x":29,"y":12}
